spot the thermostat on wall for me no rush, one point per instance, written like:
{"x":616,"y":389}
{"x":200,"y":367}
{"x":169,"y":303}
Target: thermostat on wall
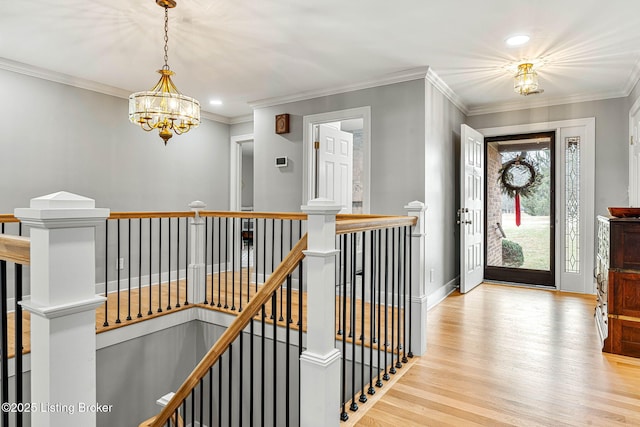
{"x":281,"y":162}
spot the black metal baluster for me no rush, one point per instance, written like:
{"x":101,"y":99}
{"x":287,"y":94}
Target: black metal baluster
{"x":129,"y":270}
{"x":281,"y":318}
{"x":178,"y":264}
{"x":169,"y":268}
{"x":230,"y":409}
{"x":186,"y":261}
{"x":241,"y":256}
{"x":252,"y":225}
{"x":339,"y":284}
{"x":184,"y":412}
{"x":410,"y":274}
{"x":18,"y":340}
{"x":273,"y":256}
{"x":159,"y":265}
{"x":211,"y":396}
{"x":287,"y":356}
{"x":275,"y":358}
{"x":139,"y":267}
{"x":379,"y":382}
{"x":399,"y":306}
{"x":150,"y":312}
{"x":256,"y":255}
{"x":352,"y":322}
{"x":262,"y":364}
{"x":118,"y":272}
{"x":372,"y":302}
{"x":193,"y":407}
{"x":343,"y":415}
{"x":220,"y":390}
{"x":219,"y":261}
{"x":233,"y":264}
{"x":5,"y":341}
{"x":251,"y":372}
{"x":404,"y":295}
{"x":386,"y":376}
{"x":240,"y":377}
{"x":106,"y":273}
{"x":201,"y":403}
{"x":300,"y":332}
{"x":213,"y":258}
{"x":392,"y":370}
{"x":226,"y":261}
{"x":363,"y":397}
{"x":206,"y":246}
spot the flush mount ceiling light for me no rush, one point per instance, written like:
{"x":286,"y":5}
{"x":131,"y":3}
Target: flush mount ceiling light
{"x":164,"y":107}
{"x":526,"y":80}
{"x":517,"y":40}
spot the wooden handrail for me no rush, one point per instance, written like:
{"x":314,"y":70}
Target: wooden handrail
{"x":286,"y":267}
{"x":8,"y":218}
{"x":374,"y":223}
{"x":15,"y":249}
{"x":251,"y":214}
{"x":136,"y":215}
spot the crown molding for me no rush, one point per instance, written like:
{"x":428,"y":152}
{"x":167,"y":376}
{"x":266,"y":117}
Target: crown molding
{"x":241,"y":119}
{"x":69,"y":80}
{"x":634,"y":77}
{"x":444,"y":88}
{"x":43,"y":73}
{"x":529,"y":104}
{"x":399,"y":77}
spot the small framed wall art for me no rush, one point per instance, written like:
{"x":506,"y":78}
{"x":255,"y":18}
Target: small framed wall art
{"x":282,"y":123}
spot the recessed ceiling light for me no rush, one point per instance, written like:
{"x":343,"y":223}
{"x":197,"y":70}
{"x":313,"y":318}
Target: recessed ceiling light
{"x":215,"y":102}
{"x":517,"y":40}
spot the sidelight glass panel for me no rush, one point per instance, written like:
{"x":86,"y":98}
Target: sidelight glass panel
{"x":572,"y":203}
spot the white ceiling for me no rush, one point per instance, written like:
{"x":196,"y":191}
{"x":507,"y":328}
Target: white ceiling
{"x":242,"y":51}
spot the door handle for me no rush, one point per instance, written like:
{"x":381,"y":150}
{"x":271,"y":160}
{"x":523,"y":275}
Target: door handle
{"x":463,"y":222}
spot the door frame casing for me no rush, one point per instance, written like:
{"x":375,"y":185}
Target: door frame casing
{"x":569,"y":282}
{"x":528,"y":276}
{"x":309,"y":121}
{"x":235,"y":170}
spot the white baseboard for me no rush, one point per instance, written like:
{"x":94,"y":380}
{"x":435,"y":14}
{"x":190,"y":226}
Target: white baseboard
{"x":442,"y":292}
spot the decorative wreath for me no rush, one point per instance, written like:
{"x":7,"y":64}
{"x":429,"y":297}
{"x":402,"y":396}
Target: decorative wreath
{"x":518,"y":176}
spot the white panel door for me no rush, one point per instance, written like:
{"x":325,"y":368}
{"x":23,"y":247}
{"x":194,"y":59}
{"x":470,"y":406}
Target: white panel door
{"x":335,"y":166}
{"x":471,"y":213}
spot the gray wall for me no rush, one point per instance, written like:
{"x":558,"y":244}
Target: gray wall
{"x":397,"y":147}
{"x":132,"y":375}
{"x":241,"y":128}
{"x":612,"y":129}
{"x":441,"y":160}
{"x":58,"y":137}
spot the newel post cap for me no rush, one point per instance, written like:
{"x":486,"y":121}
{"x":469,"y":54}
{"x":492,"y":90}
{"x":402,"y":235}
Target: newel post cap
{"x":197,"y":205}
{"x":416,"y":206}
{"x":54,"y":208}
{"x":321,"y":205}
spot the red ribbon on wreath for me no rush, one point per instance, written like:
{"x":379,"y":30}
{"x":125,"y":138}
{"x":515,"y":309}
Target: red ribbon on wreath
{"x":517,"y":209}
{"x":506,"y":178}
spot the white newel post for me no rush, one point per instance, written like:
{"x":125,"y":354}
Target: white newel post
{"x":418,"y":280}
{"x":320,"y":362}
{"x":62,"y":307}
{"x":197,"y":264}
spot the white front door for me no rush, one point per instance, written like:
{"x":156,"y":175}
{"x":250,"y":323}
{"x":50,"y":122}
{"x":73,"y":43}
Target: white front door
{"x":335,"y":166}
{"x":471,"y":213}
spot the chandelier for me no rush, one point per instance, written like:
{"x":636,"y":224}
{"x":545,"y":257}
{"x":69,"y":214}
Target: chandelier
{"x":526,"y":80}
{"x":164,"y":107}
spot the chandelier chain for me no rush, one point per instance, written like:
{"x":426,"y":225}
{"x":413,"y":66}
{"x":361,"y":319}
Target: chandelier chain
{"x":166,"y":38}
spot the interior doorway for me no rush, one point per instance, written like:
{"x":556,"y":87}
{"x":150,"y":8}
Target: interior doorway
{"x":520,"y":208}
{"x":337,"y":158}
{"x":241,"y":172}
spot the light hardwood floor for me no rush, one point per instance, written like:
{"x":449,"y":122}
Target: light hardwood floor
{"x":510,"y":356}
